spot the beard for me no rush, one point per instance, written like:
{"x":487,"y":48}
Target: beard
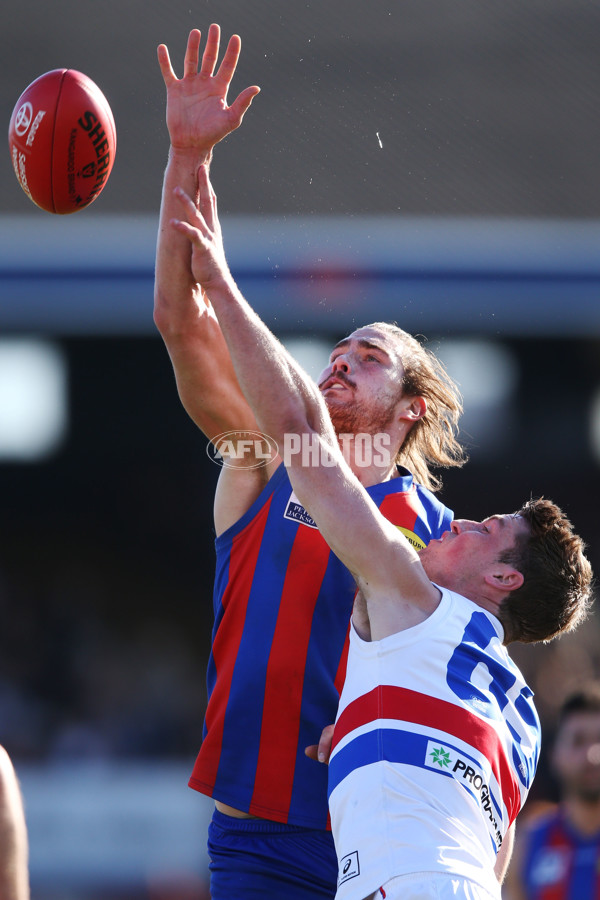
{"x":350,"y":418}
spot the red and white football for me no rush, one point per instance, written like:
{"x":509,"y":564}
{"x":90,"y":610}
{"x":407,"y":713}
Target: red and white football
{"x":62,"y":141}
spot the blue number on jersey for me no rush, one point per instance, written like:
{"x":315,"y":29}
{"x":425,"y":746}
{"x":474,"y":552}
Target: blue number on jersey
{"x":479,"y":678}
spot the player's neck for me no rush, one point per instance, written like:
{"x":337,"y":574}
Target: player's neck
{"x":371,"y":461}
{"x":373,"y":474}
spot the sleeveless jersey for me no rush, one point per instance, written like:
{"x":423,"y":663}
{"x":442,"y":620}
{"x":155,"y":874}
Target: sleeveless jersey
{"x":282,"y":605}
{"x":435,"y":747}
{"x":558,"y":862}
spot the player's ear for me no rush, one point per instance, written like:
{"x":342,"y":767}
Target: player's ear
{"x":504,"y":577}
{"x":413,"y":408}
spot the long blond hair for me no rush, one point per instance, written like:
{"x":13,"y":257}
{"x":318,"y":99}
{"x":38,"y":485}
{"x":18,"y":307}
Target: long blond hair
{"x":433,"y":439}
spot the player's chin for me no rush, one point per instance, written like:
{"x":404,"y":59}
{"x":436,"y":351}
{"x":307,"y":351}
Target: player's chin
{"x":343,"y":416}
{"x":339,"y":399}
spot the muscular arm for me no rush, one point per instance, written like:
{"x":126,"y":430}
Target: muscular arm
{"x":286,"y":401}
{"x":197,"y":118}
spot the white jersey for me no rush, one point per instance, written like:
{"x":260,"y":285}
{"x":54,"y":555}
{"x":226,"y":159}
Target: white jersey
{"x":435,"y":747}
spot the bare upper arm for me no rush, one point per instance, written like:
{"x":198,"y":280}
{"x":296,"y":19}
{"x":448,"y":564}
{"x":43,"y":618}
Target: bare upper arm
{"x":237,"y":489}
{"x":511,"y":876}
{"x":504,"y":854}
{"x":211,"y":395}
{"x":206,"y":381}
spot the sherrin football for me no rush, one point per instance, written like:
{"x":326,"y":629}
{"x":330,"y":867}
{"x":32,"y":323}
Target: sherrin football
{"x":62,"y":141}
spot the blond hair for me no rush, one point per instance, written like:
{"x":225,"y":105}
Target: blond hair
{"x":433,"y":439}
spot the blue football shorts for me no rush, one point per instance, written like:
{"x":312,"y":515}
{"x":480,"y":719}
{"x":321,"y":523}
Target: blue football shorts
{"x":254,"y":859}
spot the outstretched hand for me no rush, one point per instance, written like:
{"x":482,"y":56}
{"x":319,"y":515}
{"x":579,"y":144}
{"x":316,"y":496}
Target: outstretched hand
{"x":198,"y":116}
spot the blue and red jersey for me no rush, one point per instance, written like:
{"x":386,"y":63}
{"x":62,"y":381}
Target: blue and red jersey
{"x":282,"y":603}
{"x":559,"y":863}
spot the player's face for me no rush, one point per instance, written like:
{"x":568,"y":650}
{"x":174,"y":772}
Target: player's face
{"x":362,"y":385}
{"x":576,"y":756}
{"x":461,"y":558}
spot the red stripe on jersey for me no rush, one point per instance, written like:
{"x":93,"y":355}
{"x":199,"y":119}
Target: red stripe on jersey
{"x":242,"y":563}
{"x":559,"y":890}
{"x":340,"y":676}
{"x":391,"y":702}
{"x":285,"y":673}
{"x":401,"y":509}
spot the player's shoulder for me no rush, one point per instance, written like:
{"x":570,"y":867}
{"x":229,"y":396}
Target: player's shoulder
{"x":405,"y":482}
{"x":241,"y":493}
{"x":426,"y":495}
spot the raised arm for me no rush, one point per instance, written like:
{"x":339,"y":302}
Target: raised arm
{"x":198,"y":117}
{"x":287,"y":402}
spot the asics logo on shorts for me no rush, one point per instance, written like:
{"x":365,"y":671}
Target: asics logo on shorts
{"x":349,"y":867}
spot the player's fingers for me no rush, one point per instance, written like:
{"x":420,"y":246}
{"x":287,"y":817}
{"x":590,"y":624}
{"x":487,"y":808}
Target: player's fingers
{"x":193,"y":234}
{"x":183,"y":227}
{"x":192,"y":214}
{"x":321,"y":751}
{"x":204,"y":179}
{"x":208,"y":198}
{"x":325,"y":742}
{"x":165,"y":64}
{"x":211,"y":51}
{"x":230,"y":59}
{"x":240,"y":105}
{"x":192,"y":51}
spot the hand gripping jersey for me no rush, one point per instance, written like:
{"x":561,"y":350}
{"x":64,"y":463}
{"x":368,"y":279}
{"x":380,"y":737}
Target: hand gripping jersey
{"x":282,"y":605}
{"x":558,"y":862}
{"x":435,"y":747}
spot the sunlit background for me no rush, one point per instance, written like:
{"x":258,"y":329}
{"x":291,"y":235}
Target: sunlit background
{"x":431,"y":163}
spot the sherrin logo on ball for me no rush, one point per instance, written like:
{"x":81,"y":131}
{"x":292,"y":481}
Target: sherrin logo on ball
{"x":62,"y":141}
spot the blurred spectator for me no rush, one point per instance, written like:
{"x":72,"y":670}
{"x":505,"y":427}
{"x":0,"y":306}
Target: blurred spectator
{"x":557,"y":851}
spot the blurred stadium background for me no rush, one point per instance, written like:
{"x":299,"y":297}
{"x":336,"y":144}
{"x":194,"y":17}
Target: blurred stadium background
{"x":429,"y":162}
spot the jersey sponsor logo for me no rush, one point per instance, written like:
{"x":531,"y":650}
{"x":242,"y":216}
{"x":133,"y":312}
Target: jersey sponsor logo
{"x":295,"y":512}
{"x":349,"y":867}
{"x":412,"y":538}
{"x":448,"y":760}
